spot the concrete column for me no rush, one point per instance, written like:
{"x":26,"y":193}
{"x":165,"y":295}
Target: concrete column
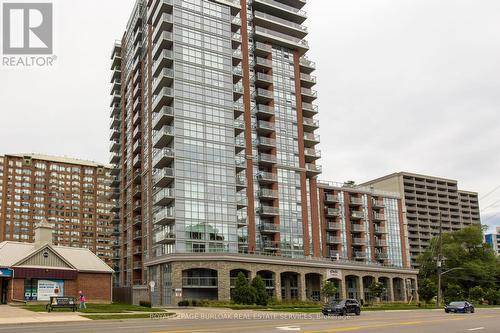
{"x":277,"y":286}
{"x":223,"y":285}
{"x":361,"y":288}
{"x":343,"y":290}
{"x":415,"y":286}
{"x":302,"y":287}
{"x":176,"y":282}
{"x":405,"y":292}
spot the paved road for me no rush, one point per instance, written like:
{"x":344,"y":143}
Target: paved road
{"x":483,"y":321}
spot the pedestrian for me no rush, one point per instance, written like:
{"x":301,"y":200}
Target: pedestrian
{"x":82,"y":300}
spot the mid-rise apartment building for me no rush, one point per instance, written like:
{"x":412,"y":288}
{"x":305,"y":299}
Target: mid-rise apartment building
{"x":214,"y":147}
{"x":428,"y":204}
{"x":362,"y":224}
{"x":71,"y":194}
{"x":493,"y":239}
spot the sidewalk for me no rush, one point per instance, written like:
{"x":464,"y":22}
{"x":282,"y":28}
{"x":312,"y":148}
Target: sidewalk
{"x":17,"y":315}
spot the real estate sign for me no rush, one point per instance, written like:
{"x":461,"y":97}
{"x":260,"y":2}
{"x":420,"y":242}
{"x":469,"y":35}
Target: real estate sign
{"x":47,"y":288}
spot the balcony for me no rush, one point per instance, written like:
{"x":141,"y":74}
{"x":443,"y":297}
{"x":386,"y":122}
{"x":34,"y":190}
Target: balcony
{"x":264,"y":96}
{"x":331,"y":198}
{"x":136,"y":148}
{"x":116,"y":87}
{"x":358,"y":241}
{"x":309,"y":110}
{"x":262,"y":63}
{"x":164,"y":98}
{"x":235,"y":24}
{"x":279,"y":9}
{"x":310,"y":124}
{"x":262,"y":49}
{"x":270,"y":245}
{"x":163,"y":157}
{"x":264,"y":111}
{"x":267,"y":177}
{"x":360,"y":255}
{"x":353,"y":201}
{"x":239,"y":126}
{"x":115,"y":111}
{"x":265,"y":127}
{"x":357,"y":228}
{"x":269,"y":228}
{"x":238,"y":109}
{"x":241,"y":183}
{"x":199,"y":282}
{"x":332,"y":212}
{"x":308,"y":95}
{"x":237,"y":91}
{"x":282,"y":39}
{"x":380,"y":243}
{"x":137,"y":161}
{"x":333,"y":226}
{"x":164,"y":216}
{"x":137,"y":235}
{"x":163,"y":137}
{"x":268,"y":211}
{"x":356,"y":215}
{"x":378,"y":217}
{"x":276,"y":23}
{"x":263,"y":80}
{"x":157,"y":8}
{"x":137,"y":205}
{"x":115,"y":98}
{"x":265,"y":144}
{"x":267,"y":159}
{"x":165,"y":116}
{"x":164,"y":237}
{"x":164,"y":25}
{"x":114,"y":146}
{"x":137,"y":220}
{"x":163,"y":177}
{"x":136,"y":134}
{"x":164,"y":43}
{"x":313,"y":169}
{"x":333,"y":240}
{"x":163,"y":80}
{"x":306,"y":66}
{"x":165,"y":59}
{"x":164,"y":197}
{"x":307,"y":80}
{"x":239,"y":144}
{"x":381,"y":256}
{"x":236,"y":40}
{"x":242,"y":222}
{"x":268,"y":194}
{"x":310,"y":140}
{"x":378,"y":204}
{"x":115,"y":158}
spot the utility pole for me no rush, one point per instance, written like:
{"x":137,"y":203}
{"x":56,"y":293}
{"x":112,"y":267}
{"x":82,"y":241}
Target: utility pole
{"x":440,"y":260}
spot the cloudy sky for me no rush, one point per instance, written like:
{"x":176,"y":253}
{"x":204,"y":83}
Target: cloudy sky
{"x":409,"y":85}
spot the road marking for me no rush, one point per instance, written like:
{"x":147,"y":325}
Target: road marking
{"x":288,"y":328}
{"x":476,"y":329}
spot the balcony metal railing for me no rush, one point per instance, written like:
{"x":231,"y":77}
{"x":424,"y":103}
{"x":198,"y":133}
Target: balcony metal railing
{"x":267,"y":158}
{"x":267,"y":176}
{"x":199,"y":282}
{"x":268,"y":210}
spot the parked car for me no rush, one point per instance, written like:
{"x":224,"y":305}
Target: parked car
{"x":342,"y":307}
{"x":459,"y":307}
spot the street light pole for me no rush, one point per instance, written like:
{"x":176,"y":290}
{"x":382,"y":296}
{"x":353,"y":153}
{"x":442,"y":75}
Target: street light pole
{"x":440,"y":260}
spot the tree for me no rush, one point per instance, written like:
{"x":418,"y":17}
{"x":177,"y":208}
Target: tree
{"x":261,"y":295}
{"x":427,"y":290}
{"x":476,"y":293}
{"x":492,"y":296}
{"x":243,"y":292}
{"x":376,"y":289}
{"x":462,"y":249}
{"x":453,"y":292}
{"x":329,"y":290}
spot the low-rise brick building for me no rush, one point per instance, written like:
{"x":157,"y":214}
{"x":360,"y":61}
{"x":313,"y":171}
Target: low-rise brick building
{"x":36,"y":271}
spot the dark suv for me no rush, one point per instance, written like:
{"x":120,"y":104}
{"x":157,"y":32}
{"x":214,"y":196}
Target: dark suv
{"x":342,"y":307}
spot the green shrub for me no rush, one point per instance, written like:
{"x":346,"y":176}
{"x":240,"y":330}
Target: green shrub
{"x":146,"y":304}
{"x":194,"y":302}
{"x":183,"y":303}
{"x":243,"y":292}
{"x":261,"y":296}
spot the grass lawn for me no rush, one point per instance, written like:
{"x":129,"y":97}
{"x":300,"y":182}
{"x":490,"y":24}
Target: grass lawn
{"x":97,"y":308}
{"x":125,"y":316}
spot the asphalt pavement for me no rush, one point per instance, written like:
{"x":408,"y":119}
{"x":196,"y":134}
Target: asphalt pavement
{"x":224,"y":321}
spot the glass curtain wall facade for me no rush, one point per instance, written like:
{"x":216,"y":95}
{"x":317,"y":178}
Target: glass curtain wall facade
{"x":213,"y":132}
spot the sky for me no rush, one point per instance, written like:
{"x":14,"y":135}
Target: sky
{"x":404,"y":85}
